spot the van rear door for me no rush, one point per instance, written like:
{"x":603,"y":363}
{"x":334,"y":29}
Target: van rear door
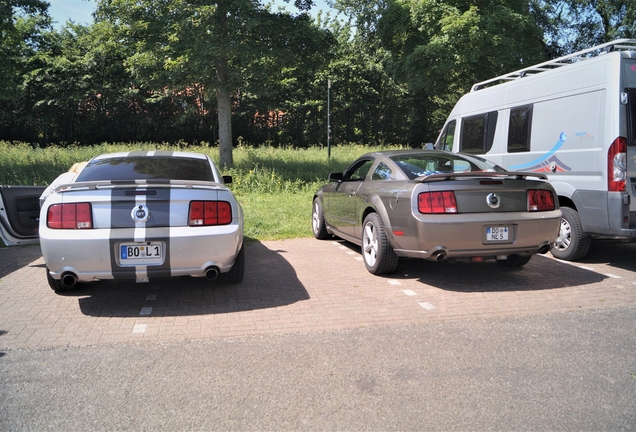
{"x":629,"y":81}
{"x":20,"y":214}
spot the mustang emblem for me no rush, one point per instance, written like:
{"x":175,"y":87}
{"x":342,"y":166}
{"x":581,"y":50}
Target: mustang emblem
{"x":493,"y":200}
{"x":140,"y":213}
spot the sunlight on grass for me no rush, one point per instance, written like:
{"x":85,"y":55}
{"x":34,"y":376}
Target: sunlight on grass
{"x":274,"y":185}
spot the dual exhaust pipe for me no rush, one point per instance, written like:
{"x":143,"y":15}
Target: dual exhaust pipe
{"x":440,"y":254}
{"x":69,"y":279}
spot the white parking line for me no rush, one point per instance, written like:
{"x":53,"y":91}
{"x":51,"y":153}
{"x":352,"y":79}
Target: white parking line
{"x":394,"y":282}
{"x":410,"y":293}
{"x":140,"y":328}
{"x":427,"y":305}
{"x":145,"y":311}
{"x":609,"y":275}
{"x":151,"y":297}
{"x":358,"y":258}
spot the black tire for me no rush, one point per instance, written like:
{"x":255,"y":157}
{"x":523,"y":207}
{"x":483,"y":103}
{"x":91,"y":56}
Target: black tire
{"x":318,"y":221}
{"x":377,"y":252}
{"x":573,"y":243}
{"x":515,"y":261}
{"x":236,"y":273}
{"x":57,"y":285}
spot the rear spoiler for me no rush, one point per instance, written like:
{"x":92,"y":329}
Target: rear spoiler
{"x":125,"y":184}
{"x":517,"y":175}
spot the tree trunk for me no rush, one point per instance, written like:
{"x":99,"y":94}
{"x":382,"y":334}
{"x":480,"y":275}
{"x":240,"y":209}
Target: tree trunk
{"x":224,"y":102}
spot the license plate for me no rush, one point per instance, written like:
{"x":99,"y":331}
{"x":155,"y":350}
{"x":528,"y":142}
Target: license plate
{"x":497,"y":233}
{"x":140,"y":251}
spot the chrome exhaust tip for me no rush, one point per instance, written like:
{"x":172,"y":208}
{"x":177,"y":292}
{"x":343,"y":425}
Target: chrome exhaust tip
{"x":68,"y":279}
{"x":211,"y":273}
{"x":439,"y":255}
{"x":544,"y":249}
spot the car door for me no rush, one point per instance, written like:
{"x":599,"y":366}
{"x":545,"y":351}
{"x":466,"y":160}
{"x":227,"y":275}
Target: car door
{"x":341,"y":207}
{"x":20,"y":214}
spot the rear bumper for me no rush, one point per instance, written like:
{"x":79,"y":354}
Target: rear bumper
{"x":436,"y":237}
{"x":96,"y":254}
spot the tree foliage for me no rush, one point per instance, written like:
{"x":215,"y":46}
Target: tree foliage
{"x":230,"y":71}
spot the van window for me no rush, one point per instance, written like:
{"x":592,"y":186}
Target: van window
{"x":478,"y":133}
{"x":446,"y":138}
{"x":631,"y":117}
{"x":519,"y":129}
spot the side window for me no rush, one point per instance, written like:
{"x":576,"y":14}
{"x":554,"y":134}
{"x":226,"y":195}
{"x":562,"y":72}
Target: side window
{"x":478,"y":133}
{"x":446,"y":138}
{"x":358,"y":171}
{"x":519,"y":129}
{"x":382,"y":172}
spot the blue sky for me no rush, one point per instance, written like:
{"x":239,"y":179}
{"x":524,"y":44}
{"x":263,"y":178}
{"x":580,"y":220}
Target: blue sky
{"x":80,"y":11}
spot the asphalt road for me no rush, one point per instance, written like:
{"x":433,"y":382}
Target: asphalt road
{"x":310,"y":341}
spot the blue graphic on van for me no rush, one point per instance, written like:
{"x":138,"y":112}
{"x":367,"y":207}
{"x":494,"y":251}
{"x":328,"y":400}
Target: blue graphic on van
{"x":547,"y":162}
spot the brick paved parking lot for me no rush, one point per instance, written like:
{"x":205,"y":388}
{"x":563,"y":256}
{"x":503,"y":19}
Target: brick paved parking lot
{"x":301,"y":286}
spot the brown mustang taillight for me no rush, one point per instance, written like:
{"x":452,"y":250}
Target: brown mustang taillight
{"x":206,"y":213}
{"x":70,"y":216}
{"x":540,"y":200}
{"x":437,"y":202}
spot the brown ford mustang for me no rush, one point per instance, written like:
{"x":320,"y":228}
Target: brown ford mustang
{"x":437,"y":205}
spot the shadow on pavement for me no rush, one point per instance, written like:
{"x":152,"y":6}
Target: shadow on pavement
{"x":13,"y":258}
{"x":539,"y":274}
{"x":270,"y":281}
{"x":612,"y":252}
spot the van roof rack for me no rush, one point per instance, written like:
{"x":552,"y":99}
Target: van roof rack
{"x":617,"y":45}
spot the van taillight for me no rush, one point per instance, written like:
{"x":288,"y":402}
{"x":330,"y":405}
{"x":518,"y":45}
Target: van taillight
{"x":540,"y":200}
{"x":70,"y":216}
{"x":617,"y":165}
{"x":205,"y":213}
{"x":437,"y":202}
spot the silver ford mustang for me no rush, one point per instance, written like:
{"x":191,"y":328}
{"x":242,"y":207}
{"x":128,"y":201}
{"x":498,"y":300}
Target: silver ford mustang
{"x":436,"y":205}
{"x":140,"y":215}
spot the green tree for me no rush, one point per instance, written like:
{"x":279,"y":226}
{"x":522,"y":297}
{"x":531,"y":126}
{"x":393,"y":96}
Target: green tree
{"x":21,"y":22}
{"x":181,"y":43}
{"x":441,"y":48}
{"x":573,"y":25}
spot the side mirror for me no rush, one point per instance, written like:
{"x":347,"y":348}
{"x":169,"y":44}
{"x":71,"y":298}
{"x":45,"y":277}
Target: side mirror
{"x":335,"y":177}
{"x":227,"y":179}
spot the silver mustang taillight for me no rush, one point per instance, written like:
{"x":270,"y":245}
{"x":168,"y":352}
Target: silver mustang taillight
{"x":70,"y":216}
{"x":205,"y":213}
{"x":540,"y":200}
{"x":437,"y":202}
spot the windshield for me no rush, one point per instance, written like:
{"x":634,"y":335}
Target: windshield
{"x":147,"y":168}
{"x":420,"y":164}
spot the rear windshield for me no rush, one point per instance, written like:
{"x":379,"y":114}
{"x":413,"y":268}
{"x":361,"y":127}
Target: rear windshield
{"x":416,"y":165}
{"x":147,"y":168}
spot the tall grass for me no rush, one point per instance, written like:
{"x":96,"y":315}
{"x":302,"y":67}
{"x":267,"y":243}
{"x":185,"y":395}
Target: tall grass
{"x":275,"y":186}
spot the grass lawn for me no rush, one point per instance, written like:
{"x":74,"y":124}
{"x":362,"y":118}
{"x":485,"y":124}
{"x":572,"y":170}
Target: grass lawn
{"x":275,"y":186}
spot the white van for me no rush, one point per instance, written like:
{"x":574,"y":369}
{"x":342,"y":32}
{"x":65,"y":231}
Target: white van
{"x":573,"y":118}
